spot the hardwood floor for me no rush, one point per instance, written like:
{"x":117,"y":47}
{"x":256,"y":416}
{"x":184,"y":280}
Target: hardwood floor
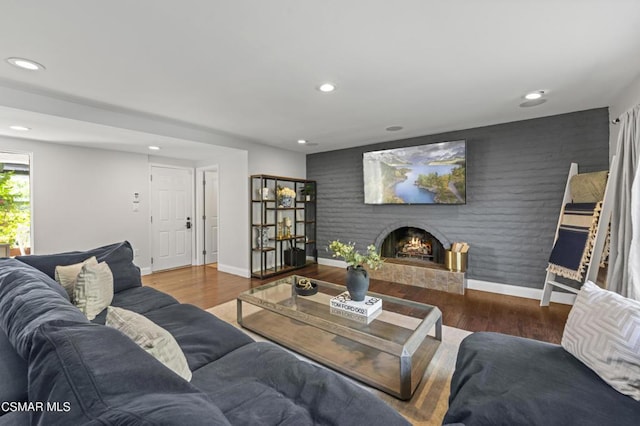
{"x":475,"y":311}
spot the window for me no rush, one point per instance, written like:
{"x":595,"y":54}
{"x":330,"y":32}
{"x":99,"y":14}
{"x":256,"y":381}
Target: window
{"x":15,"y":202}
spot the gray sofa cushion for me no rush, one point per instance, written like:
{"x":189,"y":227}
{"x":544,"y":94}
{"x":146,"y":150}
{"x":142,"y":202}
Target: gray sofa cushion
{"x":13,"y":373}
{"x":28,"y":298}
{"x":506,"y":380}
{"x":75,"y":363}
{"x":118,"y":256}
{"x":14,"y":266}
{"x":138,"y":299}
{"x":202,"y":336}
{"x":15,"y":418}
{"x":262,"y":384}
{"x":26,"y":301}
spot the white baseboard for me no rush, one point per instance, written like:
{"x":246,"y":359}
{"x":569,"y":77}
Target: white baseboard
{"x":332,"y":262}
{"x":222,"y":268}
{"x":234,"y":270}
{"x":489,"y":287}
{"x":514,"y":290}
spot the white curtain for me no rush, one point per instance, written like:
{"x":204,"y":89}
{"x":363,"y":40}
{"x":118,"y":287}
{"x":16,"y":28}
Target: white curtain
{"x":624,"y":260}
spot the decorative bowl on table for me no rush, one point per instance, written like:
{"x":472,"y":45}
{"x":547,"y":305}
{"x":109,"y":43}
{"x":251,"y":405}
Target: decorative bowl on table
{"x":305,"y":287}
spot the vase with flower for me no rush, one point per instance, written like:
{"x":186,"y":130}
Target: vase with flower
{"x":357,"y":275}
{"x":285,"y":196}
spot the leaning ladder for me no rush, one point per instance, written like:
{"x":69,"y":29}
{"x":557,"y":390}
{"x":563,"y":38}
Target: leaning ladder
{"x":601,"y":233}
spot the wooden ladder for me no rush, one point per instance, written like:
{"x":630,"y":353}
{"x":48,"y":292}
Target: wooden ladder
{"x":601,"y":234}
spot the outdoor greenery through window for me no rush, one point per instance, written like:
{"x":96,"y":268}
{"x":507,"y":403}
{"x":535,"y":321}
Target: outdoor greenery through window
{"x":15,"y":202}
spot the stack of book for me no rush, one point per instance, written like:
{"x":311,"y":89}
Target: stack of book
{"x":363,"y":312}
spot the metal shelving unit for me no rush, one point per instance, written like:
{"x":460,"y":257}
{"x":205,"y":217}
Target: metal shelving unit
{"x":283,"y":234}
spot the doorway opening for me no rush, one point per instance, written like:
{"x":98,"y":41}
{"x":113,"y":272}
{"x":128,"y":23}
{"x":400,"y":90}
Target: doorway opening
{"x":210,"y":219}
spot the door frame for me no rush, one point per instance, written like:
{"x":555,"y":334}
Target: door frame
{"x":193,"y":209}
{"x":199,"y":209}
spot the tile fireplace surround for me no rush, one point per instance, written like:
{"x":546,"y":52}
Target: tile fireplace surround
{"x":434,"y":277}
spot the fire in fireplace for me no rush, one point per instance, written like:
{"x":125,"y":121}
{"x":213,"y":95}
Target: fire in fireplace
{"x":415,"y":247}
{"x":413,"y":243}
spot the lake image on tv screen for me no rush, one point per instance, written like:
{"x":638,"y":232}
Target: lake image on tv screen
{"x":426,"y":174}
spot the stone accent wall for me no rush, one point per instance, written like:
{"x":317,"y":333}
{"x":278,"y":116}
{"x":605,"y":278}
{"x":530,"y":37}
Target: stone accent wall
{"x":420,"y":276}
{"x":516,"y":174}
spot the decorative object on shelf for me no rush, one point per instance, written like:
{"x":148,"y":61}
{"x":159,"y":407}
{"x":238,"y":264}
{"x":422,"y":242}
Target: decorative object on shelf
{"x":294,"y":256}
{"x":286,"y":196}
{"x":305,"y":287}
{"x":265,"y":193}
{"x":308,"y":191}
{"x":287,"y":227}
{"x":357,"y":276}
{"x":262,"y":238}
{"x":280,"y":229}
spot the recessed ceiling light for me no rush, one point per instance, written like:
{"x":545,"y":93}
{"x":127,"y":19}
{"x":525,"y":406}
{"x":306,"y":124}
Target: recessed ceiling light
{"x":327,"y":87}
{"x":534,"y":95}
{"x":394,"y":128}
{"x":154,"y":148}
{"x":532,"y":103}
{"x":302,"y":141}
{"x":20,"y":128}
{"x":25,"y":64}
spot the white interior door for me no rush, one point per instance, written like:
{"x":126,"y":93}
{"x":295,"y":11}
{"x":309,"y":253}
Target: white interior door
{"x":210,"y":216}
{"x":171,"y":217}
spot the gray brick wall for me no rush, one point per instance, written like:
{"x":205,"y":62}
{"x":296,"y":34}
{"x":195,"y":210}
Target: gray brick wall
{"x":516,"y":173}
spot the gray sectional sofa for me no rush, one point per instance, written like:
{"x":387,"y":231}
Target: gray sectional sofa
{"x":56,"y":367}
{"x":507,"y":380}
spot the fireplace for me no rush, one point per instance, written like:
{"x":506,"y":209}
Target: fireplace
{"x":414,"y":244}
{"x":414,"y":251}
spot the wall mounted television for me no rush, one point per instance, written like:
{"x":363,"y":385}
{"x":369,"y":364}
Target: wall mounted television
{"x":424,"y":174}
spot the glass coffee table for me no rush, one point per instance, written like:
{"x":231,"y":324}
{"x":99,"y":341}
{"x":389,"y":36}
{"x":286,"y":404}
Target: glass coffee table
{"x":389,"y":352}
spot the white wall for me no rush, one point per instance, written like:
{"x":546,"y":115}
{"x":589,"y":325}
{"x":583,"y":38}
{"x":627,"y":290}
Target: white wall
{"x":273,"y":161}
{"x":623,"y":102}
{"x":82,"y":198}
{"x":119,"y":174}
{"x":233,"y":210}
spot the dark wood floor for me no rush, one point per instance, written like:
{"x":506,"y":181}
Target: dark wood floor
{"x":205,"y":286}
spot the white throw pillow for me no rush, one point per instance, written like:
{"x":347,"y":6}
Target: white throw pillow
{"x":154,"y":339}
{"x":94,"y":289}
{"x":603,"y":331}
{"x":67,"y":275}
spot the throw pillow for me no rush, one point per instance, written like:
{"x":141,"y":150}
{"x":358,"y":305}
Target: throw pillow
{"x":603,"y":331}
{"x":67,"y":275}
{"x":588,"y":187}
{"x":151,"y":337}
{"x":94,"y":289}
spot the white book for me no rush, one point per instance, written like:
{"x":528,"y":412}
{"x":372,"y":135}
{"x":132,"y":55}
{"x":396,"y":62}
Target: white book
{"x":365,"y":308}
{"x":355,"y":317}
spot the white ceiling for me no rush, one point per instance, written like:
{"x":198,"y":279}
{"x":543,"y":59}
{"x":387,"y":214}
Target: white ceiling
{"x":251,"y":67}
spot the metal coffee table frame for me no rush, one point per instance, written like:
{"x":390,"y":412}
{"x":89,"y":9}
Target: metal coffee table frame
{"x":390,"y":353}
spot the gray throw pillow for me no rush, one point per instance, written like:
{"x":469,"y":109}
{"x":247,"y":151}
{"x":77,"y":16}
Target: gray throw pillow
{"x":94,"y":289}
{"x":603,"y":331}
{"x":154,"y":339}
